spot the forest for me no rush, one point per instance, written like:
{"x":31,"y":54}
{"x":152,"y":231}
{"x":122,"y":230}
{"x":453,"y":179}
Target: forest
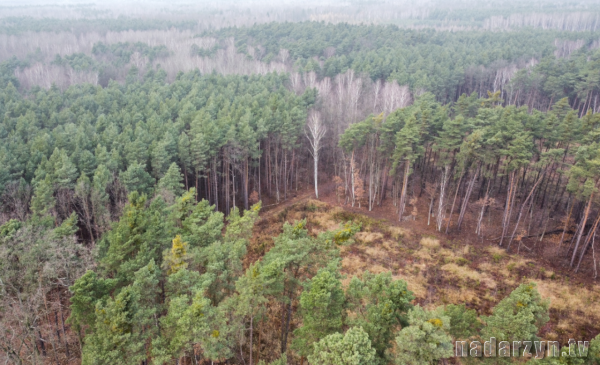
{"x":264,"y":183}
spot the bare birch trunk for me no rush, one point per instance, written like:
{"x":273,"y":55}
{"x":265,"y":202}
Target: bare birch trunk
{"x":509,"y":195}
{"x":441,"y":213}
{"x":463,"y":208}
{"x":453,"y":203}
{"x":483,"y":206}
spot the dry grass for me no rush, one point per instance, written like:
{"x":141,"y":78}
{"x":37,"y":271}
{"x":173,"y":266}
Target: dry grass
{"x":494,"y":269}
{"x":495,"y":250}
{"x":316,"y":203}
{"x":454,"y":296}
{"x":368,"y":237}
{"x":377,"y":269}
{"x":423,"y":254}
{"x":486,"y":266}
{"x":430,"y":242}
{"x":551,"y":336}
{"x":390,"y":246}
{"x":464,"y":274}
{"x":415,"y":283}
{"x":377,"y":253}
{"x":549,"y":274}
{"x":516,"y":262}
{"x":564,"y":325}
{"x":353,"y":264}
{"x":397,"y":232}
{"x":448,"y":255}
{"x":466,"y":250}
{"x":488,"y":281}
{"x":572,"y":302}
{"x":324,"y":221}
{"x":496,"y":253}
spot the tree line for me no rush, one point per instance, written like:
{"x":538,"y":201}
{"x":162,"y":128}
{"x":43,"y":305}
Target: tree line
{"x":477,"y":156}
{"x":447,"y":64}
{"x":119,"y":139}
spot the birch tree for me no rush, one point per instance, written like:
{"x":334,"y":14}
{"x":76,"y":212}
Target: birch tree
{"x":315,"y":131}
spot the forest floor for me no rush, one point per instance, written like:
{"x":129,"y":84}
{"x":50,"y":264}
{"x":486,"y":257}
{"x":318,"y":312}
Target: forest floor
{"x":440,"y":268}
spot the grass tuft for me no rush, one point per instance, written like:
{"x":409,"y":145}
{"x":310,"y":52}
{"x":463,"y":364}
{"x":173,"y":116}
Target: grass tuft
{"x":430,"y":242}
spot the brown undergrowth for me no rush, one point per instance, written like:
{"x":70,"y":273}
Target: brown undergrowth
{"x":442,"y":271}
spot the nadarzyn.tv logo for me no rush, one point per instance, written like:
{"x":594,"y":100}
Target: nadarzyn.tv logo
{"x":520,"y":348}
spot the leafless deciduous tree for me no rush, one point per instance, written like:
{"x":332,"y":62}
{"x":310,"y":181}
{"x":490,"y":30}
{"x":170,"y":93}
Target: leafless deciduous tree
{"x":315,"y":131}
{"x":394,"y":96}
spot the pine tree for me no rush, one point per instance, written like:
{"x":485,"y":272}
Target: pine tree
{"x":172,"y":181}
{"x":352,"y":348}
{"x":463,"y":321}
{"x":185,"y":324}
{"x":87,"y":290}
{"x":223,"y":258}
{"x":141,"y":235}
{"x":65,"y":172}
{"x":67,"y":228}
{"x":43,"y":200}
{"x":174,"y":259}
{"x":113,"y":340}
{"x":137,"y":179}
{"x":99,"y":198}
{"x":381,"y":304}
{"x":408,"y":148}
{"x":252,"y":289}
{"x":149,"y":305}
{"x":520,"y":315}
{"x":322,"y":305}
{"x":159,"y":159}
{"x":184,"y":153}
{"x":299,"y":255}
{"x":425,"y":340}
{"x":86,"y":163}
{"x":201,"y":225}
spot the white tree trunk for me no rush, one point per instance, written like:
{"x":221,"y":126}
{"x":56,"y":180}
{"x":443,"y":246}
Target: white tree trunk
{"x":316,"y":167}
{"x":315,"y":131}
{"x":441,"y":213}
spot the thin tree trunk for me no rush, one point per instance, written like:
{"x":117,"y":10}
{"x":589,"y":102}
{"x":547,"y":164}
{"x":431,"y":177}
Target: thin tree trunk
{"x":384,"y":183}
{"x":591,"y":233}
{"x":246,"y":206}
{"x":430,"y":208}
{"x":562,"y":237}
{"x":186,"y":177}
{"x":284,"y":175}
{"x":316,"y":171}
{"x":441,"y":201}
{"x":594,"y":256}
{"x":251,"y":338}
{"x":216,"y":190}
{"x":509,"y":195}
{"x":453,"y":203}
{"x":585,"y":217}
{"x":404,"y":188}
{"x":483,"y":206}
{"x":522,"y":207}
{"x":465,"y":203}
